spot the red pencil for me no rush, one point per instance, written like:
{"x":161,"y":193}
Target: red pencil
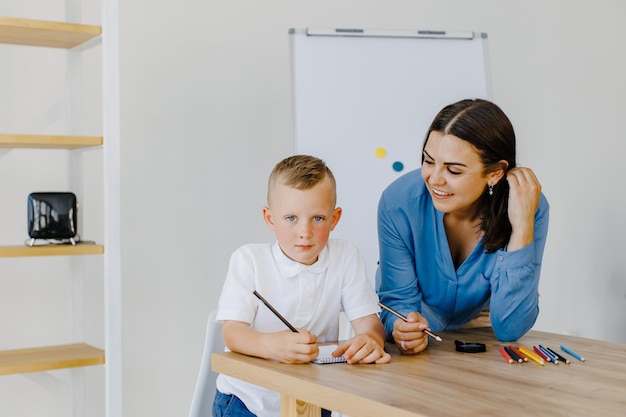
{"x":540,"y":353}
{"x":506,"y":355}
{"x":513,"y":355}
{"x":518,"y":353}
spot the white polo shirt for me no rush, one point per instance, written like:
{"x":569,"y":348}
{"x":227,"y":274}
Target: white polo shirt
{"x":308,"y":296}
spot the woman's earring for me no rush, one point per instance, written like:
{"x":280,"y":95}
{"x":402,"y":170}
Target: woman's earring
{"x":490,"y":189}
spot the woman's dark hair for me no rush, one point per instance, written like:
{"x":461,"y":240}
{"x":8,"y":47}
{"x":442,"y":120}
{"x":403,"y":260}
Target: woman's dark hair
{"x":485,"y":126}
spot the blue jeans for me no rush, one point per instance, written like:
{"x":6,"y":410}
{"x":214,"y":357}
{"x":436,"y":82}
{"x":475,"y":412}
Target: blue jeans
{"x":231,"y":406}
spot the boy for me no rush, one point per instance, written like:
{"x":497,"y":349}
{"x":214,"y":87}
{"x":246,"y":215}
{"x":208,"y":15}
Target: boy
{"x":306,"y":277}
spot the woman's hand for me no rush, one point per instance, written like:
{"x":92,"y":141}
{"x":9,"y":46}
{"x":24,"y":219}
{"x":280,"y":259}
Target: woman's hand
{"x":524,"y":192}
{"x":409,"y":336}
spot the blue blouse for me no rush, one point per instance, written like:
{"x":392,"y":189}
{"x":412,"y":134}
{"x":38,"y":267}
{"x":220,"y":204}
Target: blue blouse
{"x":416,"y":271}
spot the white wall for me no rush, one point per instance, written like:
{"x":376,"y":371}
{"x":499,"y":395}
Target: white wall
{"x":206,"y":113}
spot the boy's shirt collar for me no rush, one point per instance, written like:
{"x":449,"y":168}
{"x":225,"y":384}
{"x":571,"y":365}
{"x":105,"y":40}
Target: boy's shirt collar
{"x":291,"y":269}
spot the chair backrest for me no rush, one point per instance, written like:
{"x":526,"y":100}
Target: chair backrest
{"x":204,"y":393}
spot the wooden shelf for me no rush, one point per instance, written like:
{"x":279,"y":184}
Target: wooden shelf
{"x":48,"y":141}
{"x":48,"y":358}
{"x":45,"y":33}
{"x":50,"y":250}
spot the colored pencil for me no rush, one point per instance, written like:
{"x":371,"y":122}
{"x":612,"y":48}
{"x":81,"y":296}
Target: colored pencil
{"x":550,"y":356}
{"x":513,"y":355}
{"x":540,"y":353}
{"x":571,"y":352}
{"x":561,"y":358}
{"x":518,"y":353}
{"x":505,"y":354}
{"x":531,"y":355}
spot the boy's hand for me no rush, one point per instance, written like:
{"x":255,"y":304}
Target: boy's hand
{"x":284,"y":346}
{"x":289,"y":347}
{"x":362,"y":348}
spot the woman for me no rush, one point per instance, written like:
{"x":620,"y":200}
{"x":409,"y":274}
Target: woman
{"x":463,"y":234}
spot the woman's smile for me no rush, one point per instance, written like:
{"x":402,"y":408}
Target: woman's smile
{"x":439,"y":194}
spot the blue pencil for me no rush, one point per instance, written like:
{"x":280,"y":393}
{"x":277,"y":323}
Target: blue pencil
{"x":571,"y":352}
{"x":561,"y":358}
{"x":550,"y":356}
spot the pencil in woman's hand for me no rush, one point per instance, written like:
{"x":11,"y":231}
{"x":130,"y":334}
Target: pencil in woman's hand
{"x":395,"y":313}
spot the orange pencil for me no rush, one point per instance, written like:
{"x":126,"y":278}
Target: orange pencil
{"x":531,"y":355}
{"x":506,"y":355}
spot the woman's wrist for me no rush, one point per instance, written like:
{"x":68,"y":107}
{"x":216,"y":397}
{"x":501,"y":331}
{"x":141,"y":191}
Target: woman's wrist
{"x":520,"y":238}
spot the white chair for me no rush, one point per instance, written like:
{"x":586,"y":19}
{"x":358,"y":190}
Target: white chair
{"x":202,"y":401}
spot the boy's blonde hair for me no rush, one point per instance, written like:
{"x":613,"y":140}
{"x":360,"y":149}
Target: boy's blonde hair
{"x":301,"y":172}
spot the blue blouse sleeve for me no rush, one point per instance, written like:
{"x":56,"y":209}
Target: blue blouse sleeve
{"x":514,"y":304}
{"x":401,"y":293}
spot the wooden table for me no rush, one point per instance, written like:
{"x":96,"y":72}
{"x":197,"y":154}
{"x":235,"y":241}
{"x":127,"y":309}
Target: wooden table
{"x":443,"y":382}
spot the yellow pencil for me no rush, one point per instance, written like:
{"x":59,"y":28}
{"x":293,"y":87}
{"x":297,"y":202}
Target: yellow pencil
{"x":532,"y":355}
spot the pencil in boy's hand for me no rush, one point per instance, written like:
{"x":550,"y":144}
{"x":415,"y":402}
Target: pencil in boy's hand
{"x":395,"y":313}
{"x":273,"y":310}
